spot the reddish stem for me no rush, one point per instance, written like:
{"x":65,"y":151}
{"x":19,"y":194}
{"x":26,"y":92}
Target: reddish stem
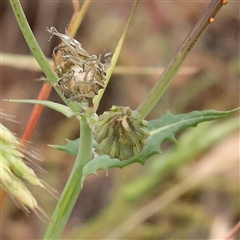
{"x":36,"y":112}
{"x":233,"y":231}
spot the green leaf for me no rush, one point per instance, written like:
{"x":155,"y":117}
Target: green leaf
{"x":190,"y":145}
{"x":161,"y":130}
{"x":115,"y":57}
{"x":66,"y":111}
{"x":71,"y":147}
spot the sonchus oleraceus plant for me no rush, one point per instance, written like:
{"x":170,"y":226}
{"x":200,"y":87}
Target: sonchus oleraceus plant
{"x":120,"y":136}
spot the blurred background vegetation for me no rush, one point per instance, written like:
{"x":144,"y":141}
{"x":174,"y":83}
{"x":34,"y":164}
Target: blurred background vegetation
{"x":191,"y":191}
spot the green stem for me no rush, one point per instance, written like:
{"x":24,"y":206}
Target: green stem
{"x":73,"y":186}
{"x":36,"y":50}
{"x":97,"y":98}
{"x":171,"y":70}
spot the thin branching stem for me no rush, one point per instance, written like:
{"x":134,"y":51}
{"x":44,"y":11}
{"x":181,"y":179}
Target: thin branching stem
{"x":78,"y":15}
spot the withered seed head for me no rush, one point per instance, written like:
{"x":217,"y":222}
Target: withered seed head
{"x":81,"y":75}
{"x":121,"y":133}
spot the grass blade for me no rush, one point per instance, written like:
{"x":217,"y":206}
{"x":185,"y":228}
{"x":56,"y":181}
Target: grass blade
{"x":171,"y":70}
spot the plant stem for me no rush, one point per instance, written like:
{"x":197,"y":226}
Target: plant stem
{"x":31,"y":41}
{"x":73,"y":186}
{"x":98,"y":97}
{"x":36,"y":50}
{"x":78,"y":16}
{"x":171,"y":70}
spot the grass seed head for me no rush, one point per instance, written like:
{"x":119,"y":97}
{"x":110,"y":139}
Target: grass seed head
{"x":14,"y":169}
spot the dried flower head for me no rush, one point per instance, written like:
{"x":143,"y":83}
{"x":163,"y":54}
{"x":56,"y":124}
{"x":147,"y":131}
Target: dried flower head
{"x":14,"y":169}
{"x":121,"y":133}
{"x":81,"y":75}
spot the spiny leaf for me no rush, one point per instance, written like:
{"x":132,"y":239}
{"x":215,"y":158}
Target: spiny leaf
{"x":192,"y":143}
{"x":71,"y":147}
{"x":161,"y":130}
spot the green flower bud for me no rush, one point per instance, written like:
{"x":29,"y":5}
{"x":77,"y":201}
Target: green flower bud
{"x":120,"y":133}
